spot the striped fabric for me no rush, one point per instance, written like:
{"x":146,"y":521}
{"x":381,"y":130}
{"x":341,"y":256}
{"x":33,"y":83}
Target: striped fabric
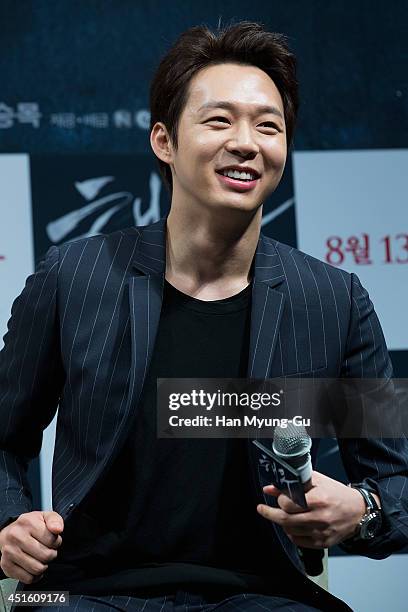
{"x":82,"y":334}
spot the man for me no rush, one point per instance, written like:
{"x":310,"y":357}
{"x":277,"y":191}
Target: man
{"x":146,"y":523}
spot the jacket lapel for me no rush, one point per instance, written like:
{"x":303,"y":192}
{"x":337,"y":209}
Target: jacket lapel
{"x":267,"y":308}
{"x":145,"y":302}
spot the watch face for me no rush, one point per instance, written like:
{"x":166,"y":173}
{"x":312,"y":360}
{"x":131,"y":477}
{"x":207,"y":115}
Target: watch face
{"x":370,"y":526}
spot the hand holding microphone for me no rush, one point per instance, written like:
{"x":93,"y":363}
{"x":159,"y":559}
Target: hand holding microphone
{"x":333,"y":515}
{"x":333,"y":509}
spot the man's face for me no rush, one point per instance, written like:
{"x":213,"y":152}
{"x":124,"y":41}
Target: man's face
{"x":233,"y":118}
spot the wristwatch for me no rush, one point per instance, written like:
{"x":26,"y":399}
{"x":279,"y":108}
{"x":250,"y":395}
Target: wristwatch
{"x":370,"y":524}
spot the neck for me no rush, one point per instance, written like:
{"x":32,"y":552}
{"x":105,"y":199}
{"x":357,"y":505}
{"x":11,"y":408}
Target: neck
{"x":207,"y":248}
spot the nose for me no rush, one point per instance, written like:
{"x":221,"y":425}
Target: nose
{"x":243,"y":142}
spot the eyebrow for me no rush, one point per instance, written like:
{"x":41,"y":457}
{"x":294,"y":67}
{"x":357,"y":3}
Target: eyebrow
{"x":260,"y":108}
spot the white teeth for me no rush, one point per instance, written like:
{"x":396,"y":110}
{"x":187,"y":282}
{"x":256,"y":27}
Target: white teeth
{"x":238,"y":175}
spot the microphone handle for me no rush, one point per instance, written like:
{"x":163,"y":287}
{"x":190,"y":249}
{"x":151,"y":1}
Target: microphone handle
{"x":312,"y":557}
{"x":307,"y":485}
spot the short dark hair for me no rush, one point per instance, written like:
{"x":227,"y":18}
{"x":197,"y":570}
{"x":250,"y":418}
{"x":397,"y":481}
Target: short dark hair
{"x":247,"y":43}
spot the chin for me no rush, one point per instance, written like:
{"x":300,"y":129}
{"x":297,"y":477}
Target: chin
{"x":247,"y":206}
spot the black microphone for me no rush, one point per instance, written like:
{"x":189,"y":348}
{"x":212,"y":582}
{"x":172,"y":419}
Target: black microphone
{"x":292,"y":444}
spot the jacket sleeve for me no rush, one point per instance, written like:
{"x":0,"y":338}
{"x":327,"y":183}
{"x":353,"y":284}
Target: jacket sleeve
{"x":378,"y":464}
{"x":31,"y":379}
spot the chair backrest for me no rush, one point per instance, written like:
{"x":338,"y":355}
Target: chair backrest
{"x":323,"y":579}
{"x":7,"y":588}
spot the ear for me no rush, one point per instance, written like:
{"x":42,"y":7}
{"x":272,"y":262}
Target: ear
{"x":160,"y":142}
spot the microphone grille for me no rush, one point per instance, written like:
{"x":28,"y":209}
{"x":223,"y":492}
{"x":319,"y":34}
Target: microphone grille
{"x":292,"y":439}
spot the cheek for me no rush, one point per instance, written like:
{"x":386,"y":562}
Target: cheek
{"x":197,"y":160}
{"x":189,"y":167}
{"x":277,"y":155}
{"x":204,"y":143}
{"x":207,"y":147}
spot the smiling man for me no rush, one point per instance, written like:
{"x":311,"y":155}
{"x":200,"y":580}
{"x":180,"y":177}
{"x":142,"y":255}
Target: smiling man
{"x":141,"y":523}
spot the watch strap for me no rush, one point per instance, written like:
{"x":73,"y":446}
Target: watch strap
{"x":372,"y":510}
{"x":369,"y":499}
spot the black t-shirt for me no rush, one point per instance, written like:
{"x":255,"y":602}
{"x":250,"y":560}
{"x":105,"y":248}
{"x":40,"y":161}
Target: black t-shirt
{"x":174,"y":513}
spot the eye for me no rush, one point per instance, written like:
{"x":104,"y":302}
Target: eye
{"x":270,"y":125}
{"x":218,"y":119}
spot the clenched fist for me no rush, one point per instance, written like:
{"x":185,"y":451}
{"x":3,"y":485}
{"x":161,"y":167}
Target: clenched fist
{"x":29,"y":543}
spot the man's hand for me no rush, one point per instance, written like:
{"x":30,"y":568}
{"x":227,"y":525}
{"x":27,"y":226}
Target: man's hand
{"x":29,"y":543}
{"x":334,"y":511}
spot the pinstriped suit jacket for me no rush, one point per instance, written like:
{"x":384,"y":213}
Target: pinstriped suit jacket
{"x":82,"y":333}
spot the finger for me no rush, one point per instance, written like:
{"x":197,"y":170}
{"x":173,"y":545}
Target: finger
{"x":287,"y":520}
{"x":35,"y":549}
{"x":272,"y":490}
{"x":22,"y":561}
{"x":284,"y":501}
{"x":29,"y":541}
{"x":53,"y":542}
{"x":53,"y":521}
{"x":12,"y":570}
{"x":273,"y":514}
{"x":319,"y":477}
{"x":288,"y":505}
{"x":34,"y":524}
{"x":43,"y":535}
{"x":29,"y":563}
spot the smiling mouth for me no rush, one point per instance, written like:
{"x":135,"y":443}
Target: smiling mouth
{"x":237,"y":184}
{"x":238,"y":179}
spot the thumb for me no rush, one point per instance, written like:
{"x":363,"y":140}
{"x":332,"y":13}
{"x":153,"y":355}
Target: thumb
{"x":53,"y":521}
